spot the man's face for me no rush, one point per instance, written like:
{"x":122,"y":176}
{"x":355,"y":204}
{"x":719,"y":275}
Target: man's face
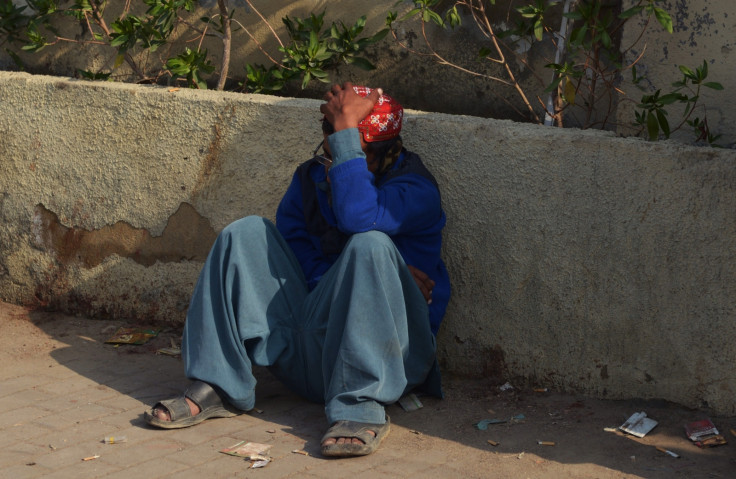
{"x":369,"y":156}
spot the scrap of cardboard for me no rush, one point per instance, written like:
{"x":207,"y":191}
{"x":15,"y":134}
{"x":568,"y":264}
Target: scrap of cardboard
{"x":250,"y":450}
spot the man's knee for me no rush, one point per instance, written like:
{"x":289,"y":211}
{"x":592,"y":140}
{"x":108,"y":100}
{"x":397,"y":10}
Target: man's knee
{"x":244,"y":226}
{"x":370,"y":241}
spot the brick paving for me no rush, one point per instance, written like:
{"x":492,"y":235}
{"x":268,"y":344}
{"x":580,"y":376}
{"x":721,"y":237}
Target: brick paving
{"x":62,"y":390}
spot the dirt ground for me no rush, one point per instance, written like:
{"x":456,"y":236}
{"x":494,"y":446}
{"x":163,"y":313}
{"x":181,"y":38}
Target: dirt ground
{"x":575,"y":426}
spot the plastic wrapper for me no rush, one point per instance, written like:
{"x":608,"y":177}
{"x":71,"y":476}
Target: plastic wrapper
{"x":133,"y":336}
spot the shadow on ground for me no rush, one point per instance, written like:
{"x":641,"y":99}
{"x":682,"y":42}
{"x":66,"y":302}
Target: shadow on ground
{"x":441,"y":436}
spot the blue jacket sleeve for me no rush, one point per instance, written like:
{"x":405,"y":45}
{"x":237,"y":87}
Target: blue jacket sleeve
{"x":291,"y":224}
{"x":404,"y":205}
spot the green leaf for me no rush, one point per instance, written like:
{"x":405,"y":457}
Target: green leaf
{"x":652,"y":126}
{"x":663,"y":123}
{"x":16,"y":59}
{"x":687,"y":72}
{"x":305,"y":80}
{"x":538,"y":29}
{"x":92,"y":75}
{"x":33,"y":47}
{"x":425,"y":15}
{"x":527,"y":11}
{"x":410,"y":14}
{"x":434,"y":17}
{"x":378,"y":36}
{"x":118,"y":40}
{"x":453,"y":17}
{"x":553,"y":86}
{"x":569,"y":92}
{"x":688,"y":107}
{"x":713,"y":85}
{"x":664,"y":18}
{"x":670,"y":98}
{"x":702,"y":72}
{"x":630,"y":12}
{"x":362,"y":63}
{"x":605,"y":39}
{"x":577,"y":36}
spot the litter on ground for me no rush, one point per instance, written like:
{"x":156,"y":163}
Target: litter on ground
{"x":135,"y":336}
{"x":638,"y":424}
{"x":249,"y":450}
{"x":483,"y":425}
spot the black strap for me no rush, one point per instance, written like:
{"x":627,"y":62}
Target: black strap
{"x":332,"y":240}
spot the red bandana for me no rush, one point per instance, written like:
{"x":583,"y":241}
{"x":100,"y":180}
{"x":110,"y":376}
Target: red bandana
{"x":384,"y":122}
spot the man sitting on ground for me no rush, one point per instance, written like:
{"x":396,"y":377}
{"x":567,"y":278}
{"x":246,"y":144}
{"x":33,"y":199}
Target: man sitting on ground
{"x":341,"y":299}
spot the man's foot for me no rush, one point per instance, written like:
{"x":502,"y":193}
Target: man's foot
{"x":345,"y":440}
{"x":163,"y":414}
{"x":199,"y":402}
{"x":349,"y":438}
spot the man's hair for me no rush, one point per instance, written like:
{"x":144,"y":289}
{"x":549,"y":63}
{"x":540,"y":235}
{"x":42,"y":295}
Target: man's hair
{"x":381,"y":148}
{"x":327,"y":127}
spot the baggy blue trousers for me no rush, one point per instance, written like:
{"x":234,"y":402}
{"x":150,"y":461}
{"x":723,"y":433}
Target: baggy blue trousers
{"x":356,"y":342}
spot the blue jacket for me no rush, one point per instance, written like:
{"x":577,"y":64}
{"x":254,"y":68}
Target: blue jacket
{"x":316,"y":219}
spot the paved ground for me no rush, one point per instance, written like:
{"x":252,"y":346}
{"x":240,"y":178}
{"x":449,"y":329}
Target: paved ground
{"x":62,"y":390}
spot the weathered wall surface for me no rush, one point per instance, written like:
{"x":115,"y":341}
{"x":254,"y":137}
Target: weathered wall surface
{"x":702,"y":31}
{"x":580,"y":260}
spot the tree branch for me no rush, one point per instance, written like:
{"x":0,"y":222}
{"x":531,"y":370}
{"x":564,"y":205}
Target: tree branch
{"x":226,"y":44}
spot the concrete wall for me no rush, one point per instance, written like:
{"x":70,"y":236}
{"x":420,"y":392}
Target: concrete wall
{"x":580,"y":261}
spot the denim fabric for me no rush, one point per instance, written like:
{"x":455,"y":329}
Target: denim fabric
{"x":345,"y":146}
{"x":358,"y":341}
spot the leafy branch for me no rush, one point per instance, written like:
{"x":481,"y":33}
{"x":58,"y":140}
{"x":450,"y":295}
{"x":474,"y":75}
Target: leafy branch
{"x":588,"y":65}
{"x":314,"y":47}
{"x":653,"y":113}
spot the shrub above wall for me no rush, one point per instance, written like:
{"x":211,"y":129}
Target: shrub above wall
{"x":618,"y":78}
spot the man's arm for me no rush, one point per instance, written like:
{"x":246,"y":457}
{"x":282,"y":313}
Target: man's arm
{"x":409,"y":204}
{"x":402,"y":207}
{"x":291,"y":224}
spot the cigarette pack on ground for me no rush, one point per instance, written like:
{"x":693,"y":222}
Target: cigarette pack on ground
{"x":698,"y":430}
{"x":638,"y":424}
{"x":704,"y":433}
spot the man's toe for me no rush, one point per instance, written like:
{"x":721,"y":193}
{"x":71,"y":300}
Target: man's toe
{"x":162,"y":413}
